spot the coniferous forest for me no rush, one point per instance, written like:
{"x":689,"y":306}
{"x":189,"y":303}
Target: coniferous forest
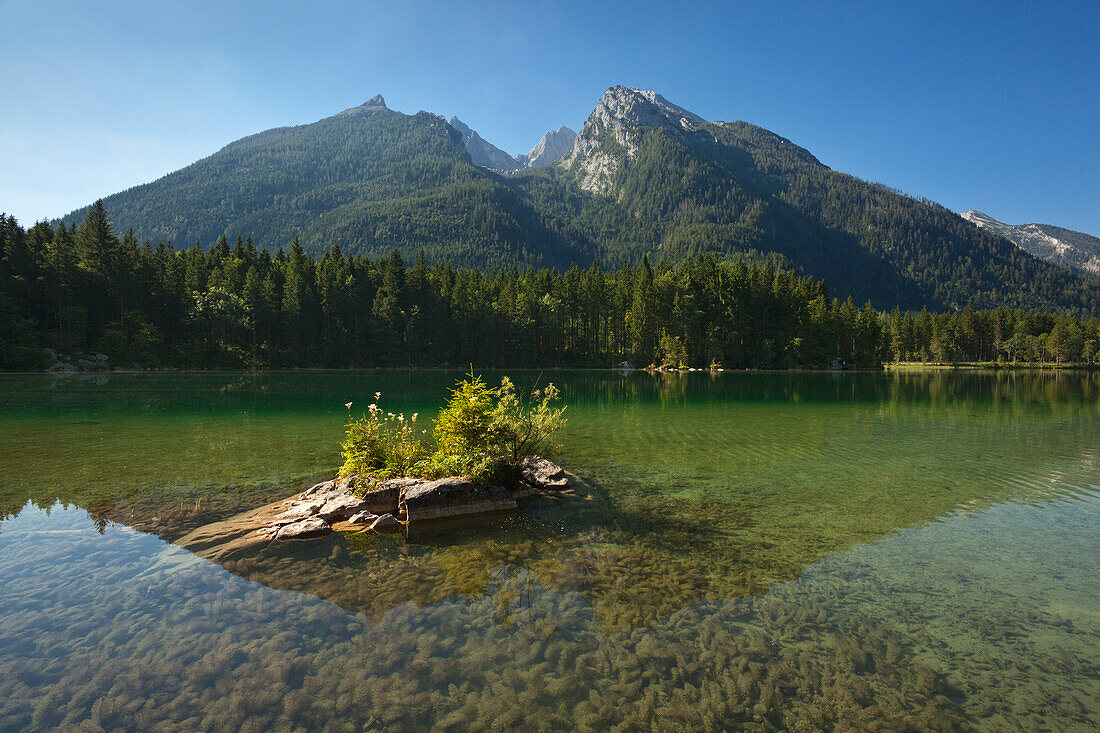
{"x":84,"y":290}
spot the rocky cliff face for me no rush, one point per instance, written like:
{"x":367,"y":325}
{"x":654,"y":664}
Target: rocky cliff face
{"x":1075,"y":250}
{"x":613,"y":129}
{"x":553,"y":146}
{"x":482,"y":152}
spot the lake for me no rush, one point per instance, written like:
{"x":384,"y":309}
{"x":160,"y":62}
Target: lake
{"x":764,"y":551}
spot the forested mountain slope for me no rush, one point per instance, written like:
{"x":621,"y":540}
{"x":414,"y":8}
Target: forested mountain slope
{"x":368,"y":178}
{"x":644,"y":176}
{"x":682,"y":186}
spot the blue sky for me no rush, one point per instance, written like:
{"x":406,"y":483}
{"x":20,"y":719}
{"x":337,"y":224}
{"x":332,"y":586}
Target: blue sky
{"x":993,"y":106}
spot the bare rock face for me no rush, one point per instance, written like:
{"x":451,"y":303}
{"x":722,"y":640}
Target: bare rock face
{"x":452,"y":497}
{"x":553,"y":146}
{"x":613,"y":131}
{"x":481,"y":151}
{"x":362,"y":518}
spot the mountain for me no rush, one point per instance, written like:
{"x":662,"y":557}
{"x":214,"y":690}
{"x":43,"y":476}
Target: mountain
{"x":548,"y":150}
{"x":644,"y":176}
{"x":483,"y":153}
{"x":615,"y":130}
{"x":1075,"y":250}
{"x":369,"y":179}
{"x":670,"y":183}
{"x":552,"y":147}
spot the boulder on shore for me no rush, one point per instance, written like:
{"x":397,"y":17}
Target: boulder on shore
{"x":304,"y":529}
{"x":542,"y":474}
{"x":385,"y":524}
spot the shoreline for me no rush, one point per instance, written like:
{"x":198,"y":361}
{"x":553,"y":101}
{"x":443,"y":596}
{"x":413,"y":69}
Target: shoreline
{"x":886,"y":367}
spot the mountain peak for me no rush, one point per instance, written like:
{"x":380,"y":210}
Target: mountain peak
{"x":619,"y":113}
{"x":552,"y":147}
{"x":645,"y":107}
{"x":376,"y":101}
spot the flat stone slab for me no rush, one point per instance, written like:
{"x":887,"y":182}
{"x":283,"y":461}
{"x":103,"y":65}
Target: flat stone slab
{"x":452,"y":497}
{"x":341,"y":507}
{"x":305,"y":529}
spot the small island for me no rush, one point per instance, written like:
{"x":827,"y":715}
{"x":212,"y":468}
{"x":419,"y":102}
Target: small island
{"x":482,"y":455}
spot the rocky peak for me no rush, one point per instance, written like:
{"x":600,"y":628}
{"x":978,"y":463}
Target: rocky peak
{"x":373,"y":104}
{"x":642,"y":107}
{"x":481,"y":151}
{"x":553,"y":146}
{"x":619,"y":113}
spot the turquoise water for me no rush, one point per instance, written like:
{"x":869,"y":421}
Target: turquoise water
{"x":765,"y":551}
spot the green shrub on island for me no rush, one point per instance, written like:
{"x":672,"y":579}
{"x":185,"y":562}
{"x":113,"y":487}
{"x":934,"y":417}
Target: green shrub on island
{"x":483,"y":432}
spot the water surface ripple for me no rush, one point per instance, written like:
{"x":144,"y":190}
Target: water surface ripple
{"x":754,"y":551}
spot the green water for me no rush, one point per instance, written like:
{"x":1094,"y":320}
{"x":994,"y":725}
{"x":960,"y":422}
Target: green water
{"x":757,"y":551}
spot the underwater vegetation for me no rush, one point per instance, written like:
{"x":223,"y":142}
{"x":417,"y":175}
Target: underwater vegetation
{"x":136,"y":638}
{"x":758,"y":552}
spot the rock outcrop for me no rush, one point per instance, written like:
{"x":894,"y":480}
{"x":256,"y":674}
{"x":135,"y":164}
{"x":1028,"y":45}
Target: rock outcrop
{"x":481,"y":151}
{"x":389,"y":506}
{"x":552,"y":147}
{"x":612,"y":132}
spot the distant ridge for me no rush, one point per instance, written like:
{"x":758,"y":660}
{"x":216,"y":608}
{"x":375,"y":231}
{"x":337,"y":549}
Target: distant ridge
{"x":1075,"y":250}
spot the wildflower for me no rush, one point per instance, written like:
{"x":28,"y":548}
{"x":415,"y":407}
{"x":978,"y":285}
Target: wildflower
{"x":348,"y":405}
{"x":377,"y":395}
